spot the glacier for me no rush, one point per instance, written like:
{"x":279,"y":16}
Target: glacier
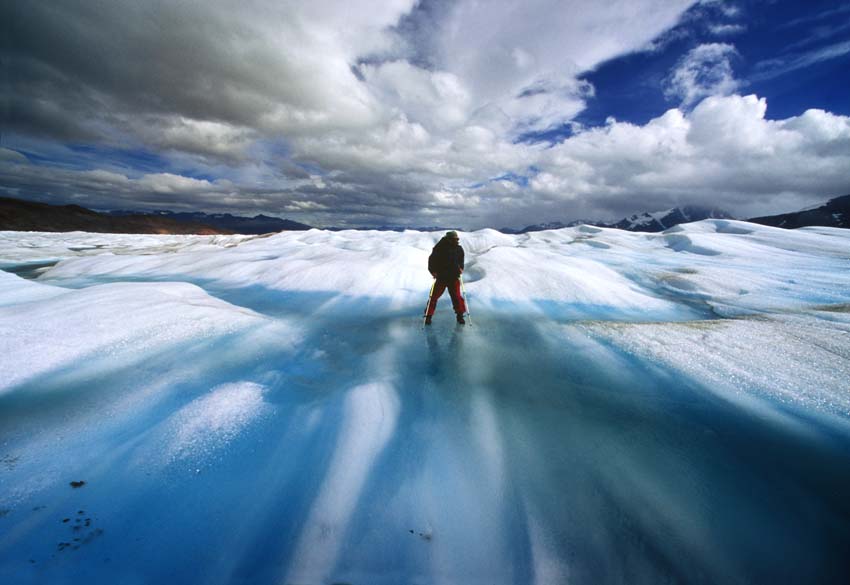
{"x":622,"y":408}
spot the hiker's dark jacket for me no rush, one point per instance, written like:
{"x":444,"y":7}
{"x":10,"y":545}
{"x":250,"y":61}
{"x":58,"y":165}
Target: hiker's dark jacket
{"x":446,"y":260}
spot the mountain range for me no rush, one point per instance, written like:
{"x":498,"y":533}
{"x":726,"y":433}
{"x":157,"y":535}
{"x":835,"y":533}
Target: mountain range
{"x":19,"y":215}
{"x":29,"y":216}
{"x":237,"y":224}
{"x":641,"y":222}
{"x":833,"y":213}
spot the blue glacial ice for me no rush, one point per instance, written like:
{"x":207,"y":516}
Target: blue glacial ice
{"x":624,"y":408}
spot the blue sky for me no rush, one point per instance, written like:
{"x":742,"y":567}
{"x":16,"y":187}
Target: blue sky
{"x":772,"y":39}
{"x":438,"y":112}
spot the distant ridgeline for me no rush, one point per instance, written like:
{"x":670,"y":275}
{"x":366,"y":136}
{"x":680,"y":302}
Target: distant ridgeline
{"x":641,"y":222}
{"x":28,"y":216}
{"x":19,"y":215}
{"x":236,"y":224}
{"x":834,"y":213}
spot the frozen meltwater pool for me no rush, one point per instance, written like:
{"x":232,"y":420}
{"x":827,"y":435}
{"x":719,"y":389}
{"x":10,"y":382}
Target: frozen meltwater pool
{"x":250,"y":410}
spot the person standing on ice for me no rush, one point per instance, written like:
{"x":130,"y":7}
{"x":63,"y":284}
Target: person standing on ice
{"x":446,"y":265}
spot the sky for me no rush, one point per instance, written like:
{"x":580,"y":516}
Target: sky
{"x":454,"y":113}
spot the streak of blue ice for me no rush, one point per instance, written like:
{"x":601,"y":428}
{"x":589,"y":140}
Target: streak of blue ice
{"x":501,"y":453}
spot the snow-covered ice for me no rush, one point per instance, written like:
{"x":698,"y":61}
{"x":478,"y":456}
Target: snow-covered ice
{"x":625,"y":407}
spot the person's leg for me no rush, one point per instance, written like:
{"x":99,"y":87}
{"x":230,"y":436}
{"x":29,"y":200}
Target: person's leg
{"x":458,"y":302}
{"x":439,"y":287}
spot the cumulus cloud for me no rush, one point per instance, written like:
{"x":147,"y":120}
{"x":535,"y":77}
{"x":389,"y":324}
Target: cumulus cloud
{"x":724,"y":152}
{"x":120,"y":65}
{"x":434,"y":99}
{"x":366,"y":113}
{"x":208,"y":77}
{"x":519,"y":56}
{"x":201,"y":137}
{"x":705,"y":70}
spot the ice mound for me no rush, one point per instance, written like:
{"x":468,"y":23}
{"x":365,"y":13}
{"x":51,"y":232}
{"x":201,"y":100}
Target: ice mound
{"x":210,"y":422}
{"x":720,"y":265}
{"x":14,"y":290}
{"x":791,"y":358}
{"x":23,"y":247}
{"x":114,"y":324}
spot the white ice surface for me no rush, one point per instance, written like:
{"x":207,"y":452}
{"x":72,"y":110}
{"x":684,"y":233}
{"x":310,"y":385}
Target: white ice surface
{"x":796,"y":359}
{"x":708,"y":268}
{"x":282,"y":384}
{"x":50,"y":328}
{"x":733,"y":267}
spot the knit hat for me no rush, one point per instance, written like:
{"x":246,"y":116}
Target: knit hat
{"x":452,"y":235}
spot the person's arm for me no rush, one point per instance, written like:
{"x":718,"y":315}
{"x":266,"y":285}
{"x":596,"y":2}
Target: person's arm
{"x":462,"y":260}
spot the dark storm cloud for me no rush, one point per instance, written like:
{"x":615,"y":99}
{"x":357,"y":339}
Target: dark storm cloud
{"x":138,"y":57}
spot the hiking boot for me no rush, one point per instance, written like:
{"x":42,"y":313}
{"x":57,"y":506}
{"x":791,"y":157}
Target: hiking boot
{"x":427,"y":319}
{"x":460,"y":320}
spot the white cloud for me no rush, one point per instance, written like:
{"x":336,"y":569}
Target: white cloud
{"x":725,"y":152}
{"x":304,"y":206}
{"x":100,"y":176}
{"x":211,"y":78}
{"x":722,"y":30}
{"x":704,"y":71}
{"x":337,"y":111}
{"x":771,"y":68}
{"x":433,"y":99}
{"x":502,"y":48}
{"x":548,"y":104}
{"x":480,"y":42}
{"x":204,"y":137}
{"x":169,"y":183}
{"x":455,"y":199}
{"x":728,"y":9}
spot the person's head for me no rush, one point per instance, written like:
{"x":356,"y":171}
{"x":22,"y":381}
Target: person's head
{"x":453,"y":237}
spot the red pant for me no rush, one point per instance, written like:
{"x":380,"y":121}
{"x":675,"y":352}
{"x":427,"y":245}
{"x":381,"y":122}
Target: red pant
{"x":458,"y":303}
